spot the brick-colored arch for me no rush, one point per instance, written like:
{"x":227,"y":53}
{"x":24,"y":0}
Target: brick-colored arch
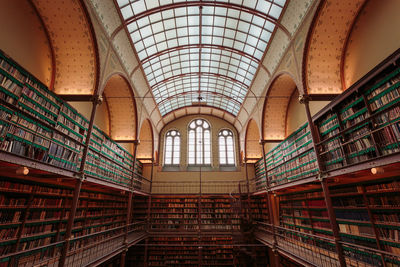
{"x":275,"y":107}
{"x":122,"y":108}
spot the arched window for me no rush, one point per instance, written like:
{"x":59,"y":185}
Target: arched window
{"x":199,"y":145}
{"x":172,"y":148}
{"x":226,"y":147}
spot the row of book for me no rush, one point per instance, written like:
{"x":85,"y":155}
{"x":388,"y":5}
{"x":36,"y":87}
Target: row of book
{"x":54,"y":132}
{"x":369,"y":134}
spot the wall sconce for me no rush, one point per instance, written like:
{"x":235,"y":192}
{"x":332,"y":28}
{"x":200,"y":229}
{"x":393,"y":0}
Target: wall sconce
{"x":22,"y":171}
{"x":377,"y":170}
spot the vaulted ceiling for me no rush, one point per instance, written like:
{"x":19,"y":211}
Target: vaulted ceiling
{"x":200,"y":52}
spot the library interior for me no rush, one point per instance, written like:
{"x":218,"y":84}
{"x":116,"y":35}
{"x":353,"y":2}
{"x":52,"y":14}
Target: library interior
{"x":244,"y":133}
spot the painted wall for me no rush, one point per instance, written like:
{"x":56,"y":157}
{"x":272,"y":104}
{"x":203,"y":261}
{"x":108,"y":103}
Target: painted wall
{"x":23,"y":38}
{"x":188,"y":181}
{"x":296,"y":116}
{"x":375,"y":36}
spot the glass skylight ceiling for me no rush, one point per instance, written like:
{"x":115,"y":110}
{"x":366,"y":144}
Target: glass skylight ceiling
{"x":206,"y":55}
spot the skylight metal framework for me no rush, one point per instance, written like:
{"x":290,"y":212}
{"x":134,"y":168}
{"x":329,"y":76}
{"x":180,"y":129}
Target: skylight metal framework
{"x":200,"y":52}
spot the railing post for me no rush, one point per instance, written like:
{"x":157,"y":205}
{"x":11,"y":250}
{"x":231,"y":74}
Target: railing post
{"x":304,"y":99}
{"x":67,"y":238}
{"x":148,"y":219}
{"x":270,"y":210}
{"x":248,"y":210}
{"x":123,"y":257}
{"x":130,"y":203}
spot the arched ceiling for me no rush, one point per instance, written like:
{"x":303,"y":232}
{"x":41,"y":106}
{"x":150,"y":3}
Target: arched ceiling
{"x":200,"y":51}
{"x":145,"y":148}
{"x":275,"y":107}
{"x":252,"y":145}
{"x":122,"y":108}
{"x":73,"y":45}
{"x":327,"y":40}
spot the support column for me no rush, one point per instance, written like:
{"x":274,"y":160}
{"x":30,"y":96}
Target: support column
{"x":130,"y":201}
{"x":148,"y":221}
{"x":270,"y":210}
{"x":248,"y":190}
{"x":123,"y":258}
{"x":304,"y":99}
{"x":78,"y":184}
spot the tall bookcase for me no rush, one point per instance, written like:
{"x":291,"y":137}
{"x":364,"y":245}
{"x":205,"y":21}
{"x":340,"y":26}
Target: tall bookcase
{"x":38,"y":125}
{"x":191,"y":213}
{"x":292,"y":159}
{"x":331,"y":210}
{"x":34,"y":218}
{"x":40,"y":130}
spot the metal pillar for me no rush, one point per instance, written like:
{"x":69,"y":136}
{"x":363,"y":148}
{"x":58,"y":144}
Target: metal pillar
{"x":78,"y":184}
{"x":331,"y":213}
{"x":270,"y":210}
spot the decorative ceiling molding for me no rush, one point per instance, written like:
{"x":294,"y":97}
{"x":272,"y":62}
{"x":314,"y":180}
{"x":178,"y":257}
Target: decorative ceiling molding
{"x":326,"y":41}
{"x":75,"y":50}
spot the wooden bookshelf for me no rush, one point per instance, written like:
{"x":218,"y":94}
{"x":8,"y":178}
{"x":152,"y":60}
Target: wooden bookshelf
{"x":292,"y":159}
{"x":34,"y":218}
{"x":140,"y":208}
{"x":367,"y":216}
{"x":259,"y":208}
{"x":363,"y":123}
{"x":207,"y":251}
{"x":360,"y":126}
{"x":36,"y":124}
{"x":339,"y":213}
{"x":183,"y":213}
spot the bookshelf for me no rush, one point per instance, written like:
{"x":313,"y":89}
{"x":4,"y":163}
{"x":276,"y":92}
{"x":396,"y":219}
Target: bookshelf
{"x":363,"y":123}
{"x":217,"y":214}
{"x":140,"y":208}
{"x":34,"y":219}
{"x":259,"y":208}
{"x":360,"y":126}
{"x":187,"y":251}
{"x":217,"y":251}
{"x":174,"y":213}
{"x":37,"y":125}
{"x":181,"y":213}
{"x":292,"y":159}
{"x":367,"y":215}
{"x":260,"y":178}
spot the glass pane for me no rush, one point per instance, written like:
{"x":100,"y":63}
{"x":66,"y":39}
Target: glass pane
{"x":199,"y":145}
{"x":163,"y":37}
{"x":207,"y":138}
{"x":207,"y":158}
{"x":230,"y":150}
{"x":222,"y":152}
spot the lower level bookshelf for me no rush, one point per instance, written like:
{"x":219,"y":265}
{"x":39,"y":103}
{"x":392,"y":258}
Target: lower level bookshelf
{"x":34,"y":215}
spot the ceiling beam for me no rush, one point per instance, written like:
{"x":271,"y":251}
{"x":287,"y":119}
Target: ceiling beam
{"x":200,"y":46}
{"x":77,"y":98}
{"x":322,"y":97}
